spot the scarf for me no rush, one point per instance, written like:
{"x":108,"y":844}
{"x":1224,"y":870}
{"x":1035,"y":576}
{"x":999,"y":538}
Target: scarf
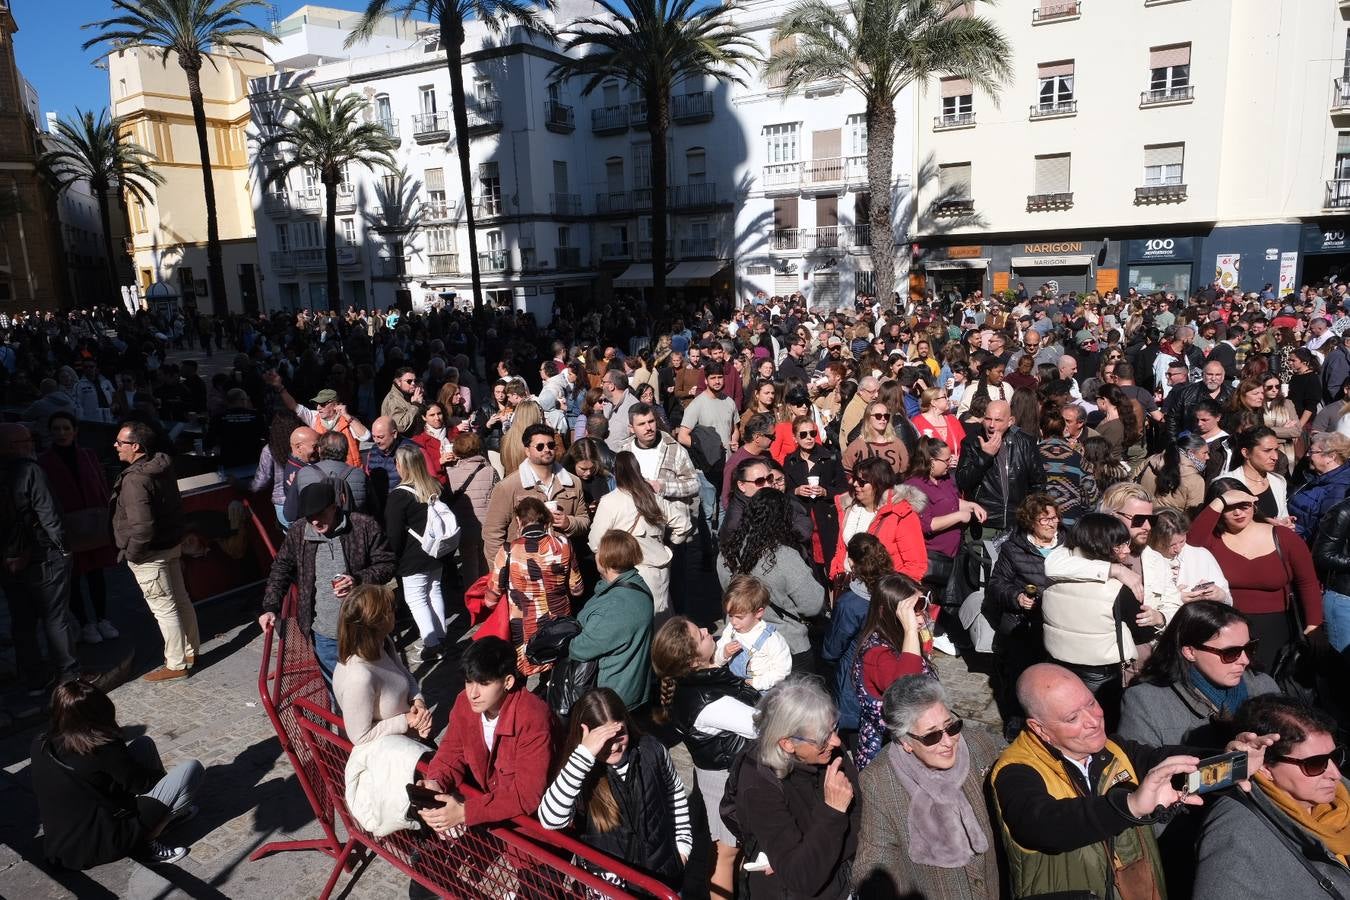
{"x":1194,"y":460}
{"x":438,"y":434}
{"x":1327,"y":822}
{"x":939,"y":813}
{"x":1225,"y":700}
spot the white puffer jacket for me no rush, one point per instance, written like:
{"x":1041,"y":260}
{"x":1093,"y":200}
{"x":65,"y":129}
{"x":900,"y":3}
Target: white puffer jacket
{"x":377,"y":776}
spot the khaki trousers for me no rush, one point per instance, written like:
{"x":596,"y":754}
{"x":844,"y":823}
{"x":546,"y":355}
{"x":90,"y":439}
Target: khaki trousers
{"x":161,"y":581}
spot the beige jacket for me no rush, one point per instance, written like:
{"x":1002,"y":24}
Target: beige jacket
{"x":500,"y":525}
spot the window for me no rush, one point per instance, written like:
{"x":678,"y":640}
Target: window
{"x":283,"y":237}
{"x":391,"y":186}
{"x":958,"y":99}
{"x":614,"y":175}
{"x":857,"y":134}
{"x":1056,"y":84}
{"x":560,"y":176}
{"x":435,"y":182}
{"x":138,"y":217}
{"x":1342,"y":156}
{"x":428,"y":100}
{"x":489,"y":177}
{"x":1052,"y":174}
{"x":778,"y":46}
{"x":441,"y":239}
{"x":348,"y":227}
{"x":564,"y":236}
{"x":782,"y":143}
{"x":1169,"y":68}
{"x":642,"y":165}
{"x":311,"y":180}
{"x":1163,"y":164}
{"x":696,"y":165}
{"x":383,"y":112}
{"x":494,"y":241}
{"x":954,"y":181}
{"x":611,"y":92}
{"x":555,"y":91}
{"x":484,"y":91}
{"x":307,"y":235}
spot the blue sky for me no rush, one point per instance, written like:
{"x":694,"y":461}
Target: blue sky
{"x":48,"y":45}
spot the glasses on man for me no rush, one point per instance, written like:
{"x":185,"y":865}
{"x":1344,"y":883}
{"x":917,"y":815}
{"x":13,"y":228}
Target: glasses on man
{"x":1230,"y":655}
{"x":932,"y":738}
{"x":1138,"y":520}
{"x":543,"y":446}
{"x":1312,"y":766}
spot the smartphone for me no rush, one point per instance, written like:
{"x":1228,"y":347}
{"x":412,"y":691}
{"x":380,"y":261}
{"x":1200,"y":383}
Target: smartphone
{"x":1214,"y":773}
{"x":1203,"y":586}
{"x":423,"y":797}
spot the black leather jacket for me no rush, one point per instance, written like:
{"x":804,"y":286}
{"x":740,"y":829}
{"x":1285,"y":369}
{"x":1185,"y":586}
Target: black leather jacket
{"x":694,"y":692}
{"x":1331,"y":550}
{"x":1179,"y":411}
{"x":981,"y":477}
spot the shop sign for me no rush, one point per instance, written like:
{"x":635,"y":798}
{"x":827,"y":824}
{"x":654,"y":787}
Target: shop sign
{"x":1054,"y":247}
{"x":1325,"y":239}
{"x":964,"y":252}
{"x":1160,"y":250}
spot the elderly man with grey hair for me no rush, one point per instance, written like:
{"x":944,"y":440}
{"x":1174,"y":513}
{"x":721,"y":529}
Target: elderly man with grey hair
{"x":926,"y":830}
{"x":867,"y":391}
{"x":795,"y":796}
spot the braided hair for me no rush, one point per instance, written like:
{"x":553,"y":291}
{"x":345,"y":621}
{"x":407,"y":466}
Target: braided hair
{"x":674,"y":655}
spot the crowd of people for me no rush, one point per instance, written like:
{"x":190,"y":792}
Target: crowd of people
{"x":757,"y":530}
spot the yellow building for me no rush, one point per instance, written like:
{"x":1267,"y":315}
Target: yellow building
{"x":168,"y":234}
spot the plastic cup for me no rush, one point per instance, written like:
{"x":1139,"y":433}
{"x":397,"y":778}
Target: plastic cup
{"x":813,"y":480}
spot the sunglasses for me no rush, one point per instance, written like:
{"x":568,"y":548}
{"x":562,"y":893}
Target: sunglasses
{"x":1229,"y":655}
{"x":548,"y":446}
{"x":807,"y":434}
{"x":1240,"y":506}
{"x":758,"y":482}
{"x":1312,"y":766}
{"x":952,"y":729}
{"x":880,"y":416}
{"x":1139,"y":520}
{"x":820,"y":744}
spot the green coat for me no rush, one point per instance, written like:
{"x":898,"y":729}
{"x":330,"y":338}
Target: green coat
{"x":616,"y":629}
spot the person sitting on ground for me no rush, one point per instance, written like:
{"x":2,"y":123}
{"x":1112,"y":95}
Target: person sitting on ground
{"x":100,"y":797}
{"x":749,"y":646}
{"x":375,"y":691}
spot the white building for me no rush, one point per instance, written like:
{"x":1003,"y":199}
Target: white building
{"x":1157,"y":144}
{"x":82,"y":246}
{"x":766,"y":191}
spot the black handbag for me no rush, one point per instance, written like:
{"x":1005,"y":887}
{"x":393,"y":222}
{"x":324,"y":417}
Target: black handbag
{"x":569,"y":682}
{"x":1301,"y":664}
{"x":550,"y":640}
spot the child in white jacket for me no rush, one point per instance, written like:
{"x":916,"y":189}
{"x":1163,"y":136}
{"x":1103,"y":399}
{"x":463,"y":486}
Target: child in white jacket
{"x":750,"y":647}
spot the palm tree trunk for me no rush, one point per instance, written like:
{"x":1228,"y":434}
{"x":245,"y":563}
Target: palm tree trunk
{"x":880,"y":149}
{"x":330,"y":241}
{"x":658,"y":126}
{"x":105,"y":222}
{"x":452,"y":39}
{"x":215,"y":272}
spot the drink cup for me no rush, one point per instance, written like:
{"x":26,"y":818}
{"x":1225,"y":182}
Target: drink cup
{"x":552,"y":505}
{"x":813,"y":480}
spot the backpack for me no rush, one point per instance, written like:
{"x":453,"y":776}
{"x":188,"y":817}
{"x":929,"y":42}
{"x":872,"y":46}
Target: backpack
{"x":441,"y":535}
{"x":342,"y":491}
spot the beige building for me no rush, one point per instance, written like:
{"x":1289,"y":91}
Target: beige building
{"x":168,"y":235}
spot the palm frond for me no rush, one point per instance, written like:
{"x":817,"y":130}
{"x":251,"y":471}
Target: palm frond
{"x":189,"y":29}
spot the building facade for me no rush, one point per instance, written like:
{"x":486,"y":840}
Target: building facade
{"x":1155,"y":144}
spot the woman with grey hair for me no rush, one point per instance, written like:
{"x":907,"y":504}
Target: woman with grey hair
{"x":794,"y":797}
{"x":926,"y":831}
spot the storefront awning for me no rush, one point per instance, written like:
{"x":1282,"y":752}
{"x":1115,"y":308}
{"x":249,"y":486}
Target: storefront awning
{"x":1069,"y":261}
{"x":689,"y":274}
{"x":638,"y":275}
{"x":933,"y":265}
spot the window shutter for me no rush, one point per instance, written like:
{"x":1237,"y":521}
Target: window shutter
{"x":435,"y":179}
{"x":956,"y":87}
{"x":954,"y":180}
{"x":1055,"y":69}
{"x":1174,"y":55}
{"x":1164,"y":155}
{"x":785,"y":213}
{"x":1052,"y":174}
{"x":1343,"y":143}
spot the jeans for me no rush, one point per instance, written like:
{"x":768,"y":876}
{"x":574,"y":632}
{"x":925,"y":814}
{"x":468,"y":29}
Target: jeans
{"x":41,"y":593}
{"x":178,"y":786}
{"x":422,"y":593}
{"x":281,"y":515}
{"x":161,"y":581}
{"x":707,"y":495}
{"x":326,"y":651}
{"x":1336,"y":611}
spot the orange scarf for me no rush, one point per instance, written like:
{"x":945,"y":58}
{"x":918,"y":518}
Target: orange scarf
{"x":1328,"y":822}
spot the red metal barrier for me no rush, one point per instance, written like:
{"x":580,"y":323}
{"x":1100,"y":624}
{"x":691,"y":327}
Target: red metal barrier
{"x":515,"y":859}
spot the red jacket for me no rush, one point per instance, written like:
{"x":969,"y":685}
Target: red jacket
{"x":897,"y":527}
{"x":431,"y":451}
{"x":514,"y":775}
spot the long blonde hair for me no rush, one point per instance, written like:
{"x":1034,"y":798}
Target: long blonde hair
{"x":412,"y":471}
{"x":513,"y":441}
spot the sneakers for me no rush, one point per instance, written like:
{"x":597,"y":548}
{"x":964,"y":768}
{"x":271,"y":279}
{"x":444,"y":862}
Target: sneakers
{"x":164,"y":673}
{"x":158,"y":853}
{"x":108,"y":630}
{"x":90,"y":634}
{"x":943,"y":644}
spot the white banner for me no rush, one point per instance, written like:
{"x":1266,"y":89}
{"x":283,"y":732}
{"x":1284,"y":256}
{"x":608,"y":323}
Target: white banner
{"x":1288,"y":265}
{"x":1226,"y":268}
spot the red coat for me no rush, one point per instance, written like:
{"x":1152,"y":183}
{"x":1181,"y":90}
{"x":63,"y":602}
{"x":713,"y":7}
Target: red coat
{"x":431,"y":450}
{"x":897,"y":526}
{"x":514,"y":776}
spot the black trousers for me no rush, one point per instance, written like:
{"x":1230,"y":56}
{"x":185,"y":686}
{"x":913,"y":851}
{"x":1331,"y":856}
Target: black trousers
{"x":41,"y":594}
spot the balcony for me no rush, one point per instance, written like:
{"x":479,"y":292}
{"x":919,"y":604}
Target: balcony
{"x":782,"y":178}
{"x":953,"y":121}
{"x":612,"y":202}
{"x":494,"y":261}
{"x":1338,"y":194}
{"x":700,"y":246}
{"x":569,"y":257}
{"x":309,"y":259}
{"x":1160,"y":193}
{"x":637,"y":114}
{"x":689,"y":108}
{"x":691,"y":196}
{"x":391,"y":266}
{"x":439,"y":210}
{"x":443,"y":263}
{"x":559,"y":117}
{"x":644,"y":249}
{"x":276,"y":203}
{"x":565,"y":204}
{"x":1340,"y":95}
{"x":616,"y":250}
{"x":954,"y":206}
{"x":349,"y":256}
{"x":857,"y":237}
{"x":346,"y":197}
{"x":1056,"y":12}
{"x":823,"y":174}
{"x":282,"y":261}
{"x":390,"y":127}
{"x":431,"y":127}
{"x":485,"y":116}
{"x":1056,"y":110}
{"x":310,"y":200}
{"x":785,"y":240}
{"x":609,"y":119}
{"x":1045,"y":202}
{"x":1167,"y":96}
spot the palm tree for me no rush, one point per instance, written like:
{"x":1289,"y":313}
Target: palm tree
{"x":95,"y":151}
{"x":653,"y":45}
{"x":450,"y":17}
{"x":325,"y":133}
{"x":879,"y":47}
{"x":190,"y":30}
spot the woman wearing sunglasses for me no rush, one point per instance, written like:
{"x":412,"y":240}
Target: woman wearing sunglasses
{"x":926,"y":830}
{"x":875,"y":504}
{"x":891,"y":645}
{"x":1290,"y":836}
{"x":1268,"y":566}
{"x":814,"y":477}
{"x":1195,"y":681}
{"x":878,"y":438}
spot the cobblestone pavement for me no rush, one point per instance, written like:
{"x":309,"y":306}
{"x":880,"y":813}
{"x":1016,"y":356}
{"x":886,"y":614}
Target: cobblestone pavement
{"x":250,"y":795}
